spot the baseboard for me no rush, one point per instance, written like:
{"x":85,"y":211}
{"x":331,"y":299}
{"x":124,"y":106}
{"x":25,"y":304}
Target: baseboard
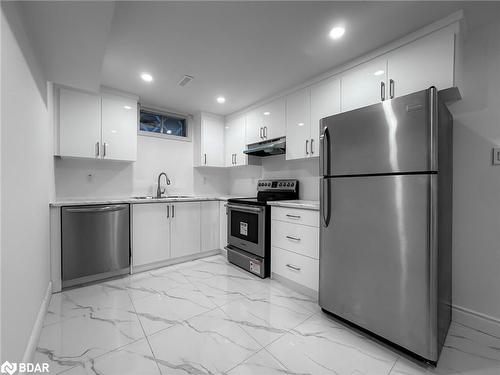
{"x":29,"y":353}
{"x":295,"y":286}
{"x":476,"y":320}
{"x":171,"y":262}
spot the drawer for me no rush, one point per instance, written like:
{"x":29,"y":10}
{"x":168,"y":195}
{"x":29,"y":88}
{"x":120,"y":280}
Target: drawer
{"x":298,"y":238}
{"x":295,"y":267}
{"x":296,"y":215}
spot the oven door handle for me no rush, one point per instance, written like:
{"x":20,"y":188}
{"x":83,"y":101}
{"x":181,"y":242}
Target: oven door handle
{"x":244,"y":208}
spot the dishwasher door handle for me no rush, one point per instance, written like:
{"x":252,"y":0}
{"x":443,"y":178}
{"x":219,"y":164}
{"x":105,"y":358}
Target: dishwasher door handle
{"x":117,"y":207}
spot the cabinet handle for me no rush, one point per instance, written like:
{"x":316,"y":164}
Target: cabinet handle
{"x":173,"y":211}
{"x":382,"y":91}
{"x":295,"y":268}
{"x":205,"y":158}
{"x":312,"y":151}
{"x":235,"y":159}
{"x":97,"y":147}
{"x":104,"y":146}
{"x":307,"y":143}
{"x":265,"y":132}
{"x":168,"y":211}
{"x":391,"y":89}
{"x":260,"y":133}
{"x":293,"y":238}
{"x":293,"y":216}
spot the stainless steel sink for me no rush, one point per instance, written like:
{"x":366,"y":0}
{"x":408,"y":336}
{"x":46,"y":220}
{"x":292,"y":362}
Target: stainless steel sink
{"x":165,"y":197}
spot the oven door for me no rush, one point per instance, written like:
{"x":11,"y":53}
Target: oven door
{"x":246,"y":228}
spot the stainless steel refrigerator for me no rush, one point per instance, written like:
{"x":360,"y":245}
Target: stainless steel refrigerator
{"x":386,"y":219}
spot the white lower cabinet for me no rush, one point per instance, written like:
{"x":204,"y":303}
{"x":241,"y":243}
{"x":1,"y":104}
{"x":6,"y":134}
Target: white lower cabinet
{"x":295,"y":245}
{"x":223,"y":224}
{"x":300,"y":269}
{"x":185,"y":228}
{"x":150,"y":233}
{"x":164,"y":231}
{"x":210,"y":223}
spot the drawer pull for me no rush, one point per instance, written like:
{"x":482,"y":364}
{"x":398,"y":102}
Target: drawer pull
{"x":295,"y":268}
{"x":293,"y":216}
{"x":293,"y":238}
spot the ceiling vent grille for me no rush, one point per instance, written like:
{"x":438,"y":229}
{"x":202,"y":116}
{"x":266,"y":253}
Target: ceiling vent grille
{"x":185,"y":80}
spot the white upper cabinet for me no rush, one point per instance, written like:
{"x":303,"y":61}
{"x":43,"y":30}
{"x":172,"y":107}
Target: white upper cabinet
{"x":210,"y":225}
{"x":364,"y":85}
{"x":209,"y":140}
{"x":298,"y":124}
{"x":266,"y":122}
{"x":79,"y":124}
{"x":273,"y":119}
{"x":253,"y":126}
{"x":427,"y":62}
{"x":185,"y":229}
{"x":119,"y":128}
{"x":97,"y":126}
{"x":234,"y":139}
{"x":325,"y":101}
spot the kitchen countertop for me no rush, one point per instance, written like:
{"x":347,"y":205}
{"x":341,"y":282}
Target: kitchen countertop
{"x":306,"y":205}
{"x":90,"y":201}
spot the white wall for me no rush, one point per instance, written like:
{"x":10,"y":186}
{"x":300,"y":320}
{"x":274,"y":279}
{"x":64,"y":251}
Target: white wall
{"x":98,"y":178}
{"x":27,"y":175}
{"x":476,"y":216}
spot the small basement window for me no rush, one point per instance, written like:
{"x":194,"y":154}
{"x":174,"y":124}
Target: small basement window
{"x":162,"y":124}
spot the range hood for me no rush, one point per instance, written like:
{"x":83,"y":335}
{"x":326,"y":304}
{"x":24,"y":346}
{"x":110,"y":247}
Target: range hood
{"x":275,"y":146}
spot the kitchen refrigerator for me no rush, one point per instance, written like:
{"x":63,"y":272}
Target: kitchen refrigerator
{"x":386,"y":219}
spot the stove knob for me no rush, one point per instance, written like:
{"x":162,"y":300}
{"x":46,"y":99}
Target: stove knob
{"x":288,"y":184}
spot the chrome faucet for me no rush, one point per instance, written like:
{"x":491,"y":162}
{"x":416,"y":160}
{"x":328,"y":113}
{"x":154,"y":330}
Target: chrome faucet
{"x":159,"y":191}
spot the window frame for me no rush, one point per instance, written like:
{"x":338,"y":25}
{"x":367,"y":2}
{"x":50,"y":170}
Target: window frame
{"x":158,"y":111}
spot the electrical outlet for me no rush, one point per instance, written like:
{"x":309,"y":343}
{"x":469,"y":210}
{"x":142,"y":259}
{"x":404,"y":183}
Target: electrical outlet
{"x":496,"y":156}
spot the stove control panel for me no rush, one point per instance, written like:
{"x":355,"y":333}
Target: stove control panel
{"x":275,"y":185}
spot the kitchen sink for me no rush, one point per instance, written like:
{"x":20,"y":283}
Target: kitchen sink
{"x":165,"y":197}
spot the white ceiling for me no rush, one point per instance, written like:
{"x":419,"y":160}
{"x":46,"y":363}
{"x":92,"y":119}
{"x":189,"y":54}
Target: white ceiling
{"x":245,"y":51}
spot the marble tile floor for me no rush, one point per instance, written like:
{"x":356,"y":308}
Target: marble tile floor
{"x":209,"y":317}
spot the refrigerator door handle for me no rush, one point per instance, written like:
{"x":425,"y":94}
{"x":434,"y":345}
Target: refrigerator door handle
{"x":325,"y":152}
{"x":325,"y":206}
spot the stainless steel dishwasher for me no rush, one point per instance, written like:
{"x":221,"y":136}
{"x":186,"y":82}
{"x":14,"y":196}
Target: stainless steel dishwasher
{"x":95,"y":243}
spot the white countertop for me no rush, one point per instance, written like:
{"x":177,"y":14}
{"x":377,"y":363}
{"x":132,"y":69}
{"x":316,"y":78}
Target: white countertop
{"x":90,"y":201}
{"x":306,"y":205}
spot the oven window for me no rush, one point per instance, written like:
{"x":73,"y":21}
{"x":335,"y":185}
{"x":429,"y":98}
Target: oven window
{"x":245,"y":225}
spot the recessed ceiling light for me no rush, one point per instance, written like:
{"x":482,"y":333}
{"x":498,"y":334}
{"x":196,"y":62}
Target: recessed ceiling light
{"x":336,"y":32}
{"x":127,"y":107}
{"x":146,"y":77}
{"x":378,"y":73}
{"x":267,"y":113}
{"x":221,"y":100}
{"x":301,"y":124}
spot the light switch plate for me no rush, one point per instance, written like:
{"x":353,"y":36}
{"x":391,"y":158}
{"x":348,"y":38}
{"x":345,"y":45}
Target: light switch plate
{"x":496,"y":156}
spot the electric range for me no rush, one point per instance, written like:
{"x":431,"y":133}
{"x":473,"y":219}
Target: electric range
{"x":249,"y":225}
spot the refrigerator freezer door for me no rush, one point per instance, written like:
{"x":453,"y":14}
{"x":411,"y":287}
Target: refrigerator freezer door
{"x":394,"y":136}
{"x":377,"y":257}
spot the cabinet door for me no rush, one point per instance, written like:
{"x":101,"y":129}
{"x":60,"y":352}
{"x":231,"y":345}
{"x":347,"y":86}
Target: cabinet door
{"x":79,"y":123}
{"x":119,"y":128}
{"x":424,"y":63}
{"x":185,"y":227}
{"x":234,"y":142}
{"x":298,"y":127}
{"x":364,"y":85}
{"x":325,"y":101}
{"x":210,"y":221}
{"x":253,"y":127}
{"x":150,"y":233}
{"x":273,"y":119}
{"x":223,"y":224}
{"x":212,"y":136}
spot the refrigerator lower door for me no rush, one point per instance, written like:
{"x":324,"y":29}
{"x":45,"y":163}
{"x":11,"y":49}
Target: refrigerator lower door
{"x":378,"y":257}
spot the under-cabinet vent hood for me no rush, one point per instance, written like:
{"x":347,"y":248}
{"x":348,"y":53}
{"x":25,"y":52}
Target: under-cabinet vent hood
{"x":266,"y":148}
